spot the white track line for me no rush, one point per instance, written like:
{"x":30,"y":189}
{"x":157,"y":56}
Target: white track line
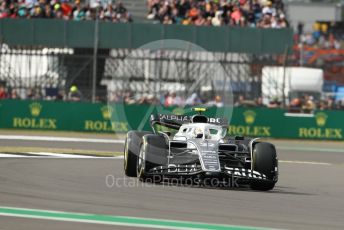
{"x":2,"y":155}
{"x":305,"y":162}
{"x":61,"y":139}
{"x":60,"y":155}
{"x":109,"y":141}
{"x":309,"y":149}
{"x":45,"y":155}
{"x":76,"y":156}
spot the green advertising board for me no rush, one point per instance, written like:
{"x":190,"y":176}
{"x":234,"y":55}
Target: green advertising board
{"x":277,"y":123}
{"x":59,"y":116}
{"x":119,"y":118}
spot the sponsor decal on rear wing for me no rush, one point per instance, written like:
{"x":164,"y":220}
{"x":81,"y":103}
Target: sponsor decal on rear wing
{"x":184,"y":119}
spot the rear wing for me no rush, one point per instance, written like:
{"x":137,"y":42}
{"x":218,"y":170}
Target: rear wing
{"x":169,"y":121}
{"x":175,"y":121}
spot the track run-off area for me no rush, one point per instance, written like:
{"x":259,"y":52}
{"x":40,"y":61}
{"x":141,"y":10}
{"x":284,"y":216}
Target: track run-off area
{"x":72,"y":182}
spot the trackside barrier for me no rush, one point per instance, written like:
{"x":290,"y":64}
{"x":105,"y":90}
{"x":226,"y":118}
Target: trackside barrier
{"x":80,"y":34}
{"x":119,"y":118}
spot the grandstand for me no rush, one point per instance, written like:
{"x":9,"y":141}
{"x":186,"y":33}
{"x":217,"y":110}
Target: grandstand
{"x":159,"y":69}
{"x":50,"y":70}
{"x":261,"y":14}
{"x":138,"y":9}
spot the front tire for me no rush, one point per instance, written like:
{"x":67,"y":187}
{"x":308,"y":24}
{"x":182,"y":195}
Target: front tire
{"x":153,"y":153}
{"x":265,"y":161}
{"x":131,"y":151}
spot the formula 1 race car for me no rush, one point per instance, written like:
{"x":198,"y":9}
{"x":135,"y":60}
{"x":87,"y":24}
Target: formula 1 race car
{"x":199,"y":151}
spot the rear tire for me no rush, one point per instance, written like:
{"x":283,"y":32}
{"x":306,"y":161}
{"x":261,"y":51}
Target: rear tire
{"x":153,"y":153}
{"x":131,"y":151}
{"x":264,"y":161}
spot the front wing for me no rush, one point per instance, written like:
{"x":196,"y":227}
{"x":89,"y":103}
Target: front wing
{"x":195,"y":170}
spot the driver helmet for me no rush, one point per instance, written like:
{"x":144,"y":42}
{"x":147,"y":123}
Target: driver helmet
{"x":198,"y":131}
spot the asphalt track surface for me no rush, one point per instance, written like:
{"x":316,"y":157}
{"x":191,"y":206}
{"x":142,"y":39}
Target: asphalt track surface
{"x":309,"y":194}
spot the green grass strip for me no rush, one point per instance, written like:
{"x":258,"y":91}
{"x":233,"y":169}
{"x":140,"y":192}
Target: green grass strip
{"x":115,"y":220}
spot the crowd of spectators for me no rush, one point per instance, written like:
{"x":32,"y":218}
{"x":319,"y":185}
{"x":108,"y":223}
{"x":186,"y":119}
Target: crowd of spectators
{"x":166,"y":99}
{"x":325,"y":35}
{"x":307,"y":104}
{"x":251,"y":13}
{"x":64,"y":9}
{"x":8,"y":94}
{"x":304,"y":104}
{"x":128,"y":97}
{"x":31,"y":93}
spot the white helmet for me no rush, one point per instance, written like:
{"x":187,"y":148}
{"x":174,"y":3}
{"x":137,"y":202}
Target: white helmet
{"x":198,"y":132}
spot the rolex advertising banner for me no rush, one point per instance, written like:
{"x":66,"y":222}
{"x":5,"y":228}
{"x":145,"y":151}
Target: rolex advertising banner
{"x":276,"y":123}
{"x":119,"y":118}
{"x":60,"y":116}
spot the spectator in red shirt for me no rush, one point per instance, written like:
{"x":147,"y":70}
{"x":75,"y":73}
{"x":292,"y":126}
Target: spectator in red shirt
{"x":236,"y":15}
{"x":3,"y":93}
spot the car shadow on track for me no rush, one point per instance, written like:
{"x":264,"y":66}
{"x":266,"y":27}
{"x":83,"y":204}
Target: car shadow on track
{"x":241,"y":188}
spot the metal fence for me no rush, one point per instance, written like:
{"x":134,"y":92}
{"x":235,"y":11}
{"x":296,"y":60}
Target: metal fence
{"x":50,"y":73}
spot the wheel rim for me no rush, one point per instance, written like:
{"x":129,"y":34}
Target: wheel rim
{"x":141,"y":162}
{"x":126,"y":155}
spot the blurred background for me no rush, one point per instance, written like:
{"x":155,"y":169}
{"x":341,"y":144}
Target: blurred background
{"x":275,"y":54}
{"x":77,"y":75}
